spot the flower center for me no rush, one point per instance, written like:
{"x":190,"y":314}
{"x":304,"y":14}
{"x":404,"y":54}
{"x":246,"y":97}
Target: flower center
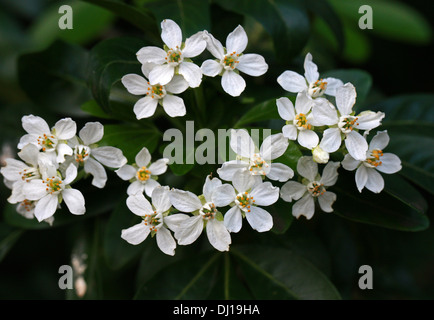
{"x":174,"y":56}
{"x":301,"y":123}
{"x":143,"y":174}
{"x":28,"y":205}
{"x":208,"y":211}
{"x":153,"y":221}
{"x":258,"y":165}
{"x":81,"y":153}
{"x":315,"y":188}
{"x":374,"y":160}
{"x":317,"y":88}
{"x":29,"y":174}
{"x":230,"y":61}
{"x":156,"y":92}
{"x":347,"y":123}
{"x":47,"y":142}
{"x":244,"y":201}
{"x":54,"y":185}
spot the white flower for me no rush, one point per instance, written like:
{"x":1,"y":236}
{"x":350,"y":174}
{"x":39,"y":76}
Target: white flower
{"x":153,"y":223}
{"x":257,"y":162}
{"x":156,"y":94}
{"x":345,"y":123}
{"x":231,"y":60}
{"x":319,"y":155}
{"x":51,"y":190}
{"x":52,"y":141}
{"x":299,"y":120}
{"x":175,"y":59}
{"x":92,"y":157}
{"x":245,"y":196}
{"x":375,"y":160}
{"x":205,"y":211}
{"x":314,"y":87}
{"x":312,"y":187}
{"x":142,"y":174}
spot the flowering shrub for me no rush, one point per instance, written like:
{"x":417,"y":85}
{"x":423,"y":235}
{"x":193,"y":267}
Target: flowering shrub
{"x":280,"y":162}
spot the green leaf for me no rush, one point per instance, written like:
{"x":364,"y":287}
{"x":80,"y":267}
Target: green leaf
{"x":399,"y":206}
{"x":55,"y":78}
{"x":130,"y":139}
{"x":286,"y":21}
{"x":192,"y":16}
{"x":8,"y":237}
{"x":263,"y":111}
{"x":277,"y":273}
{"x":388,"y":18}
{"x":92,"y":108}
{"x":409,"y":122}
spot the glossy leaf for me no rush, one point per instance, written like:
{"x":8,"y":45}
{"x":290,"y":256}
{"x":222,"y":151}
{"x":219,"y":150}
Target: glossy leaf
{"x":8,"y":237}
{"x":263,"y":111}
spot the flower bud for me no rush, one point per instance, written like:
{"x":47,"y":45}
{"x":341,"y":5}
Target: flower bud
{"x":319,"y":155}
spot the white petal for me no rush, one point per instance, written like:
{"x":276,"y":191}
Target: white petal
{"x":92,"y":132}
{"x":211,"y":68}
{"x":46,"y":207}
{"x":143,"y":157}
{"x":232,"y":83}
{"x":35,"y":125}
{"x":28,"y":139}
{"x":326,"y":201}
{"x":159,"y":166}
{"x":252,"y":64}
{"x":165,"y":241}
{"x":331,"y":140}
{"x":70,"y":174}
{"x":213,"y":45}
{"x":330,"y":173}
{"x":209,"y":187}
{"x":379,"y":141}
{"x":223,"y":195}
{"x":237,"y":40}
{"x":151,"y":55}
{"x":12,"y":169}
{"x":324,"y":113}
{"x":174,"y":221}
{"x":184,"y":201}
{"x":150,"y":186}
{"x":308,"y":139}
{"x":227,"y":170}
{"x":375,"y":181}
{"x":177,"y":85}
{"x":139,"y":205}
{"x":136,"y":234}
{"x":135,"y":188}
{"x":303,"y":103}
{"x":29,"y":154}
{"x":243,"y":181}
{"x":310,"y":69}
{"x":265,"y":194}
{"x":274,"y":146}
{"x":332,"y":85}
{"x":349,"y":163}
{"x":145,"y":107}
{"x":368,"y":120}
{"x":147,"y":68}
{"x":74,"y":201}
{"x":241,"y":143}
{"x":292,"y":81}
{"x":171,"y":33}
{"x":192,"y":73}
{"x":135,"y":84}
{"x":304,"y":207}
{"x":280,"y":172}
{"x":160,"y":199}
{"x":307,"y":168}
{"x":65,"y":128}
{"x":290,"y":131}
{"x":346,"y":98}
{"x":259,"y":219}
{"x":356,"y":145}
{"x":109,"y":156}
{"x":233,"y":219}
{"x":361,"y":177}
{"x":63,"y":150}
{"x":285,"y":109}
{"x":126,"y":172}
{"x":194,"y":45}
{"x":218,"y":235}
{"x":98,"y":172}
{"x":390,"y":163}
{"x":161,"y":74}
{"x":189,"y":230}
{"x":34,"y":190}
{"x":174,"y":106}
{"x":292,"y":190}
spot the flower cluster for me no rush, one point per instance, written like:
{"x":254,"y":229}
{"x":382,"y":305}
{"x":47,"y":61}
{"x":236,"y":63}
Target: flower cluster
{"x":170,"y":70}
{"x":50,"y":161}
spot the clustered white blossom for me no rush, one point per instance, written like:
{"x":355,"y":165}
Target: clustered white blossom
{"x":322,"y":122}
